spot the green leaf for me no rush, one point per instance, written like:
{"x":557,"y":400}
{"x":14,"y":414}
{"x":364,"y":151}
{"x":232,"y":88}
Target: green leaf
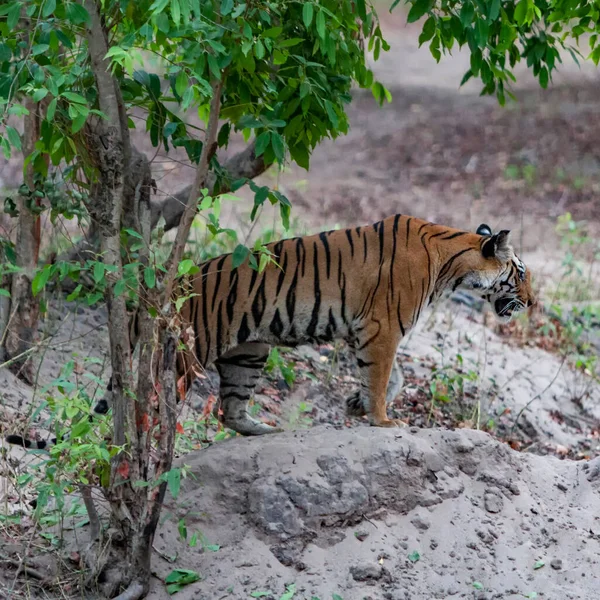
{"x":539,"y":564}
{"x":300,"y":155}
{"x":335,"y":597}
{"x":13,"y":15}
{"x":98,"y":272}
{"x":149,"y":277}
{"x":414,"y":556}
{"x":278,"y":146}
{"x":39,"y":94}
{"x":185,"y":266}
{"x":494,"y":10}
{"x":239,"y":256}
{"x":48,"y":8}
{"x":4,"y":293}
{"x":226,"y":7}
{"x":262,"y":141}
{"x":174,"y":482}
{"x":418,"y":9}
{"x":77,"y":14}
{"x":290,"y":591}
{"x":179,"y":578}
{"x":466,"y":13}
{"x":332,"y":114}
{"x":40,"y":280}
{"x":521,"y":12}
{"x":321,"y":24}
{"x":73,"y":97}
{"x":361,"y":9}
{"x":477,"y":585}
{"x":175,"y":11}
{"x":259,"y":594}
{"x":307,"y":14}
{"x":38,"y":49}
{"x":543,"y":76}
{"x":212,"y":547}
{"x":13,"y":137}
{"x":428,"y":30}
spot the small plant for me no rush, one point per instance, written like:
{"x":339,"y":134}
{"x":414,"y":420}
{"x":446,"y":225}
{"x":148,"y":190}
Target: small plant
{"x":448,"y":383}
{"x":276,"y":362}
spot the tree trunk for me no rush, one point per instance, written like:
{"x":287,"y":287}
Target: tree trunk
{"x":24,"y":312}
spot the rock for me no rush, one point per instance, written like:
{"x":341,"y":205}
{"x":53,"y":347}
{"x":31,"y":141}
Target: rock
{"x":556,"y":564}
{"x":367,"y":571}
{"x":361,"y":535}
{"x":421,"y":523}
{"x":493,"y":502}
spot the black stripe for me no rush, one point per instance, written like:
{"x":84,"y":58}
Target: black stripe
{"x":371,"y":339}
{"x":394,"y":236}
{"x":408,"y":229}
{"x":218,"y":282}
{"x":277,"y":250}
{"x":204,"y":300}
{"x":259,"y":304}
{"x":455,"y":235}
{"x":363,"y":363}
{"x":244,"y":330}
{"x":398,"y":311}
{"x":449,"y":262}
{"x":331,"y":325}
{"x":365,"y":248}
{"x":232,"y":296}
{"x":281,"y":277}
{"x":349,"y":236}
{"x":300,"y":249}
{"x":314,"y":319}
{"x":325,"y":242}
{"x":220,"y":329}
{"x":276,"y":325}
{"x":238,"y":359}
{"x":380,"y":230}
{"x":237,"y":396}
{"x":253,"y":279}
{"x":290,"y":298}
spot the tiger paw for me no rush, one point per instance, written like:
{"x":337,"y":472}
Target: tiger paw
{"x":389,"y":423}
{"x":354,"y":405}
{"x":250,"y":426}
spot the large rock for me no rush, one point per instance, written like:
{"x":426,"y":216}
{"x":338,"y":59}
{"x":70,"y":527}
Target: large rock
{"x":448,"y":513}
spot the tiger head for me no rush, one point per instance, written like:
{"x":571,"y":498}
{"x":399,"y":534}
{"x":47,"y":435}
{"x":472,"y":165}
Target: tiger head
{"x":499,"y":276}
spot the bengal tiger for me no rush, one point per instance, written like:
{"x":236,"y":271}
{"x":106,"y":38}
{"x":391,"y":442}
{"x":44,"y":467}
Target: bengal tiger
{"x":365,"y":285}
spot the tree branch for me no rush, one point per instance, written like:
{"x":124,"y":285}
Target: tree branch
{"x":191,"y":207}
{"x":244,"y":164}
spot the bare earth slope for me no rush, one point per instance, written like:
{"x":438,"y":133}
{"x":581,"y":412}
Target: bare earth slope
{"x":371,"y":513}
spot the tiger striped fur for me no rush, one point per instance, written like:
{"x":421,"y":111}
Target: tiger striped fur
{"x":365,"y":285}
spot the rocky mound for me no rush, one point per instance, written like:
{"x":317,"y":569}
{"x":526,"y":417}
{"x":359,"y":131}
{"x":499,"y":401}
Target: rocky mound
{"x":372,"y":513}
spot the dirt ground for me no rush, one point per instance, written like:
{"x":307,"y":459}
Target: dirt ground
{"x":332,"y":508}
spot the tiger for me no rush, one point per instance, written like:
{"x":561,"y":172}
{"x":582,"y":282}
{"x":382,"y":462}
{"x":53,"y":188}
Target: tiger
{"x":365,"y":285}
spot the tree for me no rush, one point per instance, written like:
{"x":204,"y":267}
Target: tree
{"x":279,"y":72}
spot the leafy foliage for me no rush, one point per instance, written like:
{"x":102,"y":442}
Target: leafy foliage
{"x":501,"y":34}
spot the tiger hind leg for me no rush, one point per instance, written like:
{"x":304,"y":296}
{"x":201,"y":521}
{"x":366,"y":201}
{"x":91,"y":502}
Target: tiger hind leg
{"x":355,"y":405}
{"x":240,"y":369}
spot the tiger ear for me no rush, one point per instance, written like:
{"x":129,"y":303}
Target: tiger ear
{"x":498,"y":246}
{"x":484,"y":229}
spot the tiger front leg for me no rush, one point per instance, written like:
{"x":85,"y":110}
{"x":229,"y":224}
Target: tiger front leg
{"x":240,"y":370}
{"x":355,"y":407}
{"x":375,"y":359}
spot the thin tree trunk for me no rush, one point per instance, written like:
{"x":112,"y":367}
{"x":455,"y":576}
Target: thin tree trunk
{"x":24,"y":312}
